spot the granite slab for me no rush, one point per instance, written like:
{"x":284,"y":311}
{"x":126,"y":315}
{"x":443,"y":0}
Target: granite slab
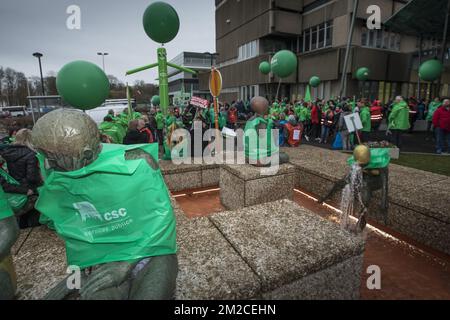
{"x":424,"y":229}
{"x":245,"y":185}
{"x":210,"y":177}
{"x":248,"y":172}
{"x":338,"y":282}
{"x":283,"y":242}
{"x":40,"y":264}
{"x":183,"y":180}
{"x":432,"y":199}
{"x":209,"y":267}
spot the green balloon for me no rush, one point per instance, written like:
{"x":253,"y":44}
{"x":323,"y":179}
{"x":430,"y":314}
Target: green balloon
{"x":363,"y":74}
{"x":83,"y":85}
{"x":284,"y":63}
{"x":314,"y":81}
{"x":264,"y":67}
{"x":430,"y":70}
{"x":156,"y":101}
{"x":161,"y":22}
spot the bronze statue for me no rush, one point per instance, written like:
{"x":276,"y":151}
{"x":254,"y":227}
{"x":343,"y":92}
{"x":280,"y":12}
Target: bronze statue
{"x":9,"y":232}
{"x":362,"y":191}
{"x":70,"y":141}
{"x":259,"y":127}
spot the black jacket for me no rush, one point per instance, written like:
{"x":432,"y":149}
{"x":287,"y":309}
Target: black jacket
{"x":22,"y":166}
{"x":135,"y":137}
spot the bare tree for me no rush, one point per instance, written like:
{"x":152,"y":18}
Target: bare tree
{"x":2,"y":75}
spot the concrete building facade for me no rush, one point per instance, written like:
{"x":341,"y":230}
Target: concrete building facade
{"x":251,"y":31}
{"x":184,"y":82}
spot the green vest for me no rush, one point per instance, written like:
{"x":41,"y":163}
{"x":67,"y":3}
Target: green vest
{"x":366,"y":119}
{"x":259,"y":147}
{"x":399,"y":117}
{"x":159,"y":121}
{"x":112,"y":130}
{"x":5,"y":209}
{"x":432,"y":109}
{"x":111,"y":210}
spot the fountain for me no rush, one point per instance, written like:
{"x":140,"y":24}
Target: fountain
{"x":368,"y":173}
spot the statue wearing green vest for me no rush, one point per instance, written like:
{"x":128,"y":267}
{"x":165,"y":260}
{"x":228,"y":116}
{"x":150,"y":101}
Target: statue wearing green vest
{"x":260,"y":144}
{"x":110,"y":205}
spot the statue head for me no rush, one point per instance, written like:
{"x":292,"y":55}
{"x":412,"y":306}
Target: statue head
{"x":362,"y":155}
{"x":69,"y":139}
{"x":259,"y":105}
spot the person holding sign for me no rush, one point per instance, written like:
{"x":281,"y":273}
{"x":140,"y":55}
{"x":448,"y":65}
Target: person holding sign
{"x":293,"y":132}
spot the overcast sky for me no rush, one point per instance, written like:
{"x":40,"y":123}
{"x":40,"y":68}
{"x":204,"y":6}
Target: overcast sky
{"x":113,"y":26}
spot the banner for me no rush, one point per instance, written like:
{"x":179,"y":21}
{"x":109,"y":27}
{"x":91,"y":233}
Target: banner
{"x":199,"y":102}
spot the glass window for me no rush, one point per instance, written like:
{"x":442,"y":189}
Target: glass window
{"x":379,"y":38}
{"x":314,"y":38}
{"x":307,"y":40}
{"x":321,"y":35}
{"x":364,"y":37}
{"x":329,"y":34}
{"x":386,"y":36}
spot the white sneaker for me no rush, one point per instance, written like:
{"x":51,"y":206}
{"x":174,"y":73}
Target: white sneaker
{"x":307,"y":138}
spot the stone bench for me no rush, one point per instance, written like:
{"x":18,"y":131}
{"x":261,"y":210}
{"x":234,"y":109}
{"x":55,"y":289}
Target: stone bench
{"x":418,"y":200}
{"x":246,"y":185}
{"x":189,"y":176}
{"x":295,"y":253}
{"x":209,"y":267}
{"x":276,"y":250}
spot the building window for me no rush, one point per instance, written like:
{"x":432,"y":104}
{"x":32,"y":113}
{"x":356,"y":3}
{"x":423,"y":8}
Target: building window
{"x":248,"y":50}
{"x":380,"y":39}
{"x":318,"y":37}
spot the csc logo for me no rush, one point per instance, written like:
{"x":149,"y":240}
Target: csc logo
{"x":116,"y":214}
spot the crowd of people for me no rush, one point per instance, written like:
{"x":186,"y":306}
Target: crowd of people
{"x":319,"y":121}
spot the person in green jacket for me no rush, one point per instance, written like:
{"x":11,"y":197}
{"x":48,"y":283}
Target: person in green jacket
{"x":430,"y":112}
{"x":111,"y":129}
{"x":366,"y":121}
{"x":398,"y":121}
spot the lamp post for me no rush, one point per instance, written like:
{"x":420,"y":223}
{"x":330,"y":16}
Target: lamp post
{"x":103,"y":54}
{"x":39,"y":56}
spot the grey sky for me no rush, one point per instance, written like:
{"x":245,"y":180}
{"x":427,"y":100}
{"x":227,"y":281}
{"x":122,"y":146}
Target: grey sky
{"x":112,"y":26}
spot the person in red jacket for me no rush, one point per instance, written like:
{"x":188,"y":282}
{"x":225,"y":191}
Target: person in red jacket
{"x":232,"y":117}
{"x":144,"y":129}
{"x":441,"y":121}
{"x":293,"y":132}
{"x":316,"y":117}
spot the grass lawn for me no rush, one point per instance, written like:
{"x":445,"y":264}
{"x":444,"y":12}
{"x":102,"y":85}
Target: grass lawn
{"x":431,"y":163}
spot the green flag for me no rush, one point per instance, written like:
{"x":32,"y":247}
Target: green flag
{"x":308,"y":94}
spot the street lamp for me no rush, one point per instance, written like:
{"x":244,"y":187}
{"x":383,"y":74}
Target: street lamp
{"x":103,"y":54}
{"x":39,"y":56}
{"x":212,"y":55}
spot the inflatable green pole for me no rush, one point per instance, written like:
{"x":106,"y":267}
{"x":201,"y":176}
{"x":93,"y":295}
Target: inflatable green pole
{"x":161,"y":24}
{"x":163,"y":80}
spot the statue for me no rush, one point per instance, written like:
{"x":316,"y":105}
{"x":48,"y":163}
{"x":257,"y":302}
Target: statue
{"x":9,"y":232}
{"x":260,"y":145}
{"x":102,"y":200}
{"x":368,"y":173}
